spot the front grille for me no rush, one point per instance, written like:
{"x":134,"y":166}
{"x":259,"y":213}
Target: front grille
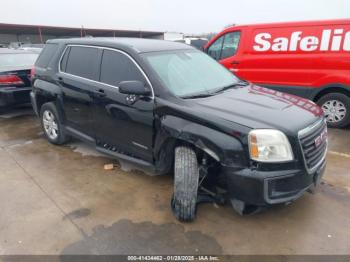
{"x":313,"y":141}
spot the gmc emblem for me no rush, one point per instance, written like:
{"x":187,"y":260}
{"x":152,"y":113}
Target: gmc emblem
{"x":321,"y":138}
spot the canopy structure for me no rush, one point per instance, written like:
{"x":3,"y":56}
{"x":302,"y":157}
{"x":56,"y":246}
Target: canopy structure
{"x":38,"y":34}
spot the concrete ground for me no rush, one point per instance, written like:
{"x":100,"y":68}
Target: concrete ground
{"x":60,"y":200}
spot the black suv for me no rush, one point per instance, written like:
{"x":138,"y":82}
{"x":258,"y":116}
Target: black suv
{"x":167,"y":107}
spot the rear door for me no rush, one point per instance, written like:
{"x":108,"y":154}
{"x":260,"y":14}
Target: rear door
{"x":77,"y":77}
{"x":120,"y":125}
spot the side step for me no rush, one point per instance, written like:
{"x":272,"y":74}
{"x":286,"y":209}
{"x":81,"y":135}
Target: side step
{"x":77,"y":134}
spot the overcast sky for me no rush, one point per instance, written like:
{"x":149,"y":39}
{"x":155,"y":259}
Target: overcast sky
{"x":194,"y":16}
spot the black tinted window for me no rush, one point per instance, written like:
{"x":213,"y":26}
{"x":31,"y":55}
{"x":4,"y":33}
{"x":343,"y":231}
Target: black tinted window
{"x":46,"y":55}
{"x":82,"y":61}
{"x":117,"y":67}
{"x":64,"y":60}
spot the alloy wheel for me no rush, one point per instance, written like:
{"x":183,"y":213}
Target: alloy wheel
{"x":334,"y":111}
{"x":50,"y":125}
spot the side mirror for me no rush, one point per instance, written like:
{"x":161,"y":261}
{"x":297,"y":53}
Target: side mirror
{"x":134,"y":88}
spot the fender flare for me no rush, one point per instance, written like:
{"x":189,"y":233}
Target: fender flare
{"x":50,"y":92}
{"x":336,"y":87}
{"x":47,"y":87}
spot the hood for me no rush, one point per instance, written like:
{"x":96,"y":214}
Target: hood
{"x":259,"y":107}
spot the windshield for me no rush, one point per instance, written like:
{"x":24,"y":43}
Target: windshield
{"x":190,"y":72}
{"x":7,"y":60}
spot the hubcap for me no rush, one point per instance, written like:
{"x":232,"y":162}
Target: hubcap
{"x":50,"y":125}
{"x":334,"y":111}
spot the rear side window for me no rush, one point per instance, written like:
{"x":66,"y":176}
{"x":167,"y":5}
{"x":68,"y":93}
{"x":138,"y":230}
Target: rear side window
{"x":117,"y":67}
{"x":64,"y":60}
{"x":46,"y":55}
{"x":81,"y":61}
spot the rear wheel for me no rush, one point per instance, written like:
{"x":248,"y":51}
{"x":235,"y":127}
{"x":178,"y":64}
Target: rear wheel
{"x":51,"y":124}
{"x":336,"y":107}
{"x":185,"y":184}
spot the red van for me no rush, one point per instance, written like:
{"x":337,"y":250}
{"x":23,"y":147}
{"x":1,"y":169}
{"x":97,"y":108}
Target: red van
{"x":308,"y":59}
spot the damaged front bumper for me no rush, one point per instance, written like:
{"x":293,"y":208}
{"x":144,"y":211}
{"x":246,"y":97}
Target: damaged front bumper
{"x":264,"y":188}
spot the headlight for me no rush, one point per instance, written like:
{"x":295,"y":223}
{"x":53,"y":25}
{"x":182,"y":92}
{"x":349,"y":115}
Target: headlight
{"x":269,"y":145}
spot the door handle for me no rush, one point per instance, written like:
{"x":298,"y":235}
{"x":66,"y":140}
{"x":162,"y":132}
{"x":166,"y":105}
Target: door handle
{"x":234,"y":62}
{"x":60,"y":79}
{"x":100,"y":92}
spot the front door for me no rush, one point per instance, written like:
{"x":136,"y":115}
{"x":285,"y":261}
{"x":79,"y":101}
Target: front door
{"x":120,"y":124}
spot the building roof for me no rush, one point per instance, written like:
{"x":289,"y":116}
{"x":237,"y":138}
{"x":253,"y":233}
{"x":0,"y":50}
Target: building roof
{"x":140,"y":45}
{"x":15,"y":51}
{"x":72,"y":31}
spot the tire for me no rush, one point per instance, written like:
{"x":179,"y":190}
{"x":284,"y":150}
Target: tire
{"x":341,"y":104}
{"x":53,"y":130}
{"x":186,"y":175}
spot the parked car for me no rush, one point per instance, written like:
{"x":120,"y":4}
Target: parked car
{"x":196,"y":42}
{"x":308,"y":59}
{"x":15,"y":84}
{"x":166,"y":107}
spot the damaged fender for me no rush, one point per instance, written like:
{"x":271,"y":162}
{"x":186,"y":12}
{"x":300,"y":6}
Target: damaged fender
{"x":224,"y":148}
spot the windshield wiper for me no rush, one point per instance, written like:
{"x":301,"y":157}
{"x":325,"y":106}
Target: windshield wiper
{"x":202,"y":95}
{"x":197,"y":96}
{"x":240,"y":83}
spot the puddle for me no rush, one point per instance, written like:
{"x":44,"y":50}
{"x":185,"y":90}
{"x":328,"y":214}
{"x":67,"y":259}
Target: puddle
{"x":127,"y":237}
{"x":85,"y":149}
{"x":339,"y":193}
{"x":13,"y":113}
{"x":20,"y":143}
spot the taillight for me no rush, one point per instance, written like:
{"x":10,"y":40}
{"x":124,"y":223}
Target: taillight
{"x":10,"y":80}
{"x":32,"y":73}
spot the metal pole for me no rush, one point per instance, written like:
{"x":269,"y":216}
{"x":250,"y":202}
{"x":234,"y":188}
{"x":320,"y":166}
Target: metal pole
{"x":40,"y":35}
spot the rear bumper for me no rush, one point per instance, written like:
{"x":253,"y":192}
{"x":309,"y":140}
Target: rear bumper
{"x":263,"y":188}
{"x":14,"y":95}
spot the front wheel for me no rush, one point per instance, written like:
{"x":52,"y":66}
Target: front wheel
{"x":186,"y":173}
{"x":336,"y":107}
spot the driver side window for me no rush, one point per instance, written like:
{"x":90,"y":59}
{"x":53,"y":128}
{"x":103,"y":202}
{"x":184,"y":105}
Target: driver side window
{"x":215,"y":49}
{"x":230,"y":45}
{"x":225,"y":46}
